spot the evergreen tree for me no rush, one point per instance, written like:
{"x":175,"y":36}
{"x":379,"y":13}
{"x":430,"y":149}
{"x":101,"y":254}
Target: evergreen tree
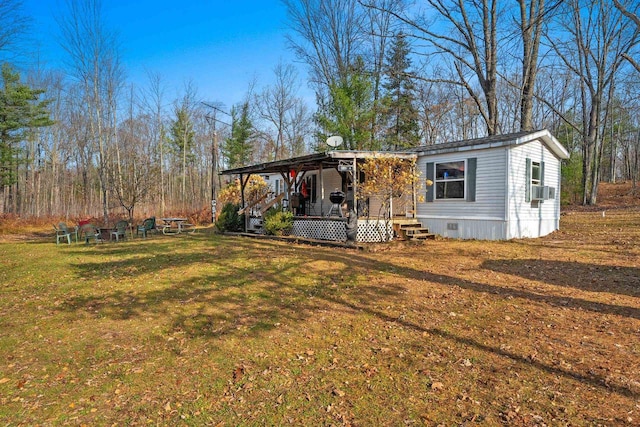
{"x":181,"y":137}
{"x":400,"y":116}
{"x":238,"y":149}
{"x":21,"y":112}
{"x":181,"y":134}
{"x":350,"y":109}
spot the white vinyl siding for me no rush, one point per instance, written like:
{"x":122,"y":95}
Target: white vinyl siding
{"x":531,"y":218}
{"x":483,"y":218}
{"x":490,"y":187}
{"x":332,"y":182}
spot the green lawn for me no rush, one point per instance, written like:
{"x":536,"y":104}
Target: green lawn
{"x":215,"y":330}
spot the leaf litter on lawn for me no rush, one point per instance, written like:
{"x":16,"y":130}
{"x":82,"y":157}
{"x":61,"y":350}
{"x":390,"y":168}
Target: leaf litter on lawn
{"x":242,"y":332}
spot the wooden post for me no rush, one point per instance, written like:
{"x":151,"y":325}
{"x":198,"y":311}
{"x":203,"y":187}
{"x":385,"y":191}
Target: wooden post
{"x":321,"y":191}
{"x":243,"y":184}
{"x":287,"y":180}
{"x":355,"y":185}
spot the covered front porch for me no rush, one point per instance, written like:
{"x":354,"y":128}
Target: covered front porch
{"x":314,"y":187}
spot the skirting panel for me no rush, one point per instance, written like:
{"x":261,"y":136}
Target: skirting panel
{"x":369,"y":231}
{"x":327,"y":229}
{"x":373,"y":231}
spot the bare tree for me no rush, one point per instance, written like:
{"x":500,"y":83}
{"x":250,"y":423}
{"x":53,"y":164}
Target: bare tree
{"x":134,"y":171}
{"x":531,"y":20}
{"x":299,"y":128}
{"x":592,"y":44}
{"x":633,"y":16}
{"x":278,"y":105}
{"x":153,"y":104}
{"x":93,"y":62}
{"x":467,"y":33}
{"x":13,"y":26}
{"x":329,"y":37}
{"x":378,"y":26}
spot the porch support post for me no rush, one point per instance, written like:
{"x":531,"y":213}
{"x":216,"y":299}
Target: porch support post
{"x":287,"y":179}
{"x":355,"y":185}
{"x":321,"y":191}
{"x":414,"y":208}
{"x":243,"y":185}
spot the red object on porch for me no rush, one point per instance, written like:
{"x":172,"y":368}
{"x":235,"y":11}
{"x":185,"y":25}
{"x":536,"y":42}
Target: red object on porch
{"x":304,"y":191}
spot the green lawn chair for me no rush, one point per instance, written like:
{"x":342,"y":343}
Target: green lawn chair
{"x":120,"y":230}
{"x":62,"y":232}
{"x":147,"y":225}
{"x":90,"y":231}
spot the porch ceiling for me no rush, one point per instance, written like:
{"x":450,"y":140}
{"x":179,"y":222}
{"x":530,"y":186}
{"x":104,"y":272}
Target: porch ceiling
{"x":313,"y":161}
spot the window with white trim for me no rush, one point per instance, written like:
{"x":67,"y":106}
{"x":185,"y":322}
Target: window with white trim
{"x":536,"y":174}
{"x":450,"y":180}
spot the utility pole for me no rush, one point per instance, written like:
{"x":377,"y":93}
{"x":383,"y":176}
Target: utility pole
{"x":212,"y":120}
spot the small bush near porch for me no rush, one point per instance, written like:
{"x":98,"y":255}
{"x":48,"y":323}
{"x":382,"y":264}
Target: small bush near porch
{"x":217,"y":330}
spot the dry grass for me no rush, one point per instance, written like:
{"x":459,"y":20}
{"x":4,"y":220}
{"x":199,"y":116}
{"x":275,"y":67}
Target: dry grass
{"x":212,"y":330}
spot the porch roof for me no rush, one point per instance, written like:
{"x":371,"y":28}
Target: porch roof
{"x":313,"y":161}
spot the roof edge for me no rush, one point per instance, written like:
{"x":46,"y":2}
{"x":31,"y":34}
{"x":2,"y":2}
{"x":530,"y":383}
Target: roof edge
{"x":503,"y":140}
{"x":550,"y":141}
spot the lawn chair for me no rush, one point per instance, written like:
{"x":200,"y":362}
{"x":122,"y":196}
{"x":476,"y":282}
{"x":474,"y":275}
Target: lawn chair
{"x":90,"y":231}
{"x":120,"y":230}
{"x":147,"y":225}
{"x":62,"y":232}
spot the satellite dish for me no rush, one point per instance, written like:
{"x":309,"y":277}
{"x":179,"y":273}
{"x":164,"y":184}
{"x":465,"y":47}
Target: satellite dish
{"x":334,"y":141}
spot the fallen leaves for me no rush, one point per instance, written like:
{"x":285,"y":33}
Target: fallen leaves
{"x":437,"y":386}
{"x":238,"y":373}
{"x":421,"y":335}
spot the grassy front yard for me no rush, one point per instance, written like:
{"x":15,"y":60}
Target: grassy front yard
{"x":214,"y":330}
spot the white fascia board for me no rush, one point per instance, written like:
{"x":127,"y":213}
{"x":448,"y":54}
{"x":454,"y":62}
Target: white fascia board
{"x":549,"y":140}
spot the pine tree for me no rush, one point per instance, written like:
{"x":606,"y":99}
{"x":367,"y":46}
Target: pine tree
{"x":238,"y":149}
{"x":400,"y":114}
{"x":350,"y":109}
{"x":21,"y":112}
{"x":181,"y":134}
{"x":181,"y":138}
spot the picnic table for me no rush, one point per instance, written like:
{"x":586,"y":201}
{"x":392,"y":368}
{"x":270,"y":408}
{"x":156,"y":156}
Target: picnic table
{"x":176,"y":226}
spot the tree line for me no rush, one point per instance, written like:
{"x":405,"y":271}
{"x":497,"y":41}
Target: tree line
{"x":386,"y":75}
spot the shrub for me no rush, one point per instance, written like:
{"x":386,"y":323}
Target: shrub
{"x":229,"y":220}
{"x":277,"y":222}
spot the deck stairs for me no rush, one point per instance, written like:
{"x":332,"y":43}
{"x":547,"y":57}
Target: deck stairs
{"x":411,"y":229}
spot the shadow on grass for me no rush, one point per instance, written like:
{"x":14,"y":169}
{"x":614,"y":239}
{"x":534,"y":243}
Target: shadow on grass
{"x":551,"y":300}
{"x":139,"y":257}
{"x":259,"y":284}
{"x":586,"y":277}
{"x":593,"y":380}
{"x":245,"y":291}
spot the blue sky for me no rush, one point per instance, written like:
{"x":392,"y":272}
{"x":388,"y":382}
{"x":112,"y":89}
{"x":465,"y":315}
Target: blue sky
{"x":219,"y":45}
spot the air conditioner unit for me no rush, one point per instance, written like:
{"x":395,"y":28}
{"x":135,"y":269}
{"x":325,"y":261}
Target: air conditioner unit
{"x":541,"y":193}
{"x":537,"y":192}
{"x":551,"y":193}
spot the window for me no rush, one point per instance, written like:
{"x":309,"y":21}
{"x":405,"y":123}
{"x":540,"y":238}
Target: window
{"x":279,"y":186}
{"x":535,"y":188}
{"x":449,"y":182}
{"x":536,"y":174}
